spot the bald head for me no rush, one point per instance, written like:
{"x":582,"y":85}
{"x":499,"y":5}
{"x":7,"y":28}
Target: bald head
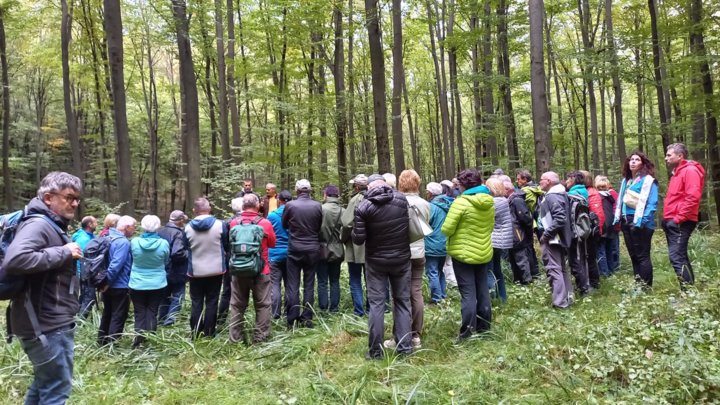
{"x":548,"y":180}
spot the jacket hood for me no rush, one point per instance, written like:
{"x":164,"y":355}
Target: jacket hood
{"x":477,"y":189}
{"x":579,"y":189}
{"x":442,"y":201}
{"x":557,"y":189}
{"x":203,"y":222}
{"x":481,"y":200}
{"x":149,"y":241}
{"x":37,"y":206}
{"x":686,"y":164}
{"x":518,"y":193}
{"x":380,"y":195}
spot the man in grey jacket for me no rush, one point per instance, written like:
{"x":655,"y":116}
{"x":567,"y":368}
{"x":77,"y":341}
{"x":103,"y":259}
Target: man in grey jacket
{"x":556,"y":237}
{"x":43,"y":315}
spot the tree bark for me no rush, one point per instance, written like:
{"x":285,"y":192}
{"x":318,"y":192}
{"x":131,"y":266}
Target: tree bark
{"x":73,"y":136}
{"x":7,"y":180}
{"x":340,"y":111}
{"x":663,"y":107}
{"x":477,"y":101}
{"x":452,"y":64}
{"x":488,"y":119}
{"x":448,"y":169}
{"x":113,"y":31}
{"x":504,"y":70}
{"x":589,"y":53}
{"x":397,"y":52}
{"x":351,"y":91}
{"x":222,"y":81}
{"x":617,"y":86}
{"x":377,"y":65}
{"x":540,"y":112}
{"x":232,"y":93}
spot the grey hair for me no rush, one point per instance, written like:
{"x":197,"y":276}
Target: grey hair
{"x":250,"y":201}
{"x":552,"y":177}
{"x":508,"y":185}
{"x":680,"y":149}
{"x":150,"y":223}
{"x":236,"y":204}
{"x":57,"y":181}
{"x":271,"y":185}
{"x":124,"y":222}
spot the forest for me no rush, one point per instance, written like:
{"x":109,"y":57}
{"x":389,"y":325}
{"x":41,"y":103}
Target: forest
{"x":153,"y":103}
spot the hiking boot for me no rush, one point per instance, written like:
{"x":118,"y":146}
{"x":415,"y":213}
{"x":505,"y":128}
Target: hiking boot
{"x":416,"y":343}
{"x":390,"y":344}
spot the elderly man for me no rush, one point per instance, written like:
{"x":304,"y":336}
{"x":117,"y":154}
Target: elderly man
{"x":303,"y":220}
{"x":177,"y":268}
{"x":682,"y":205}
{"x":42,"y":316}
{"x":381,"y":223}
{"x":556,"y":237}
{"x":82,"y":236}
{"x":270,"y":202}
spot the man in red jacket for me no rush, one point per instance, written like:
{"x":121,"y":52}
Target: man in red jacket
{"x":682,"y":204}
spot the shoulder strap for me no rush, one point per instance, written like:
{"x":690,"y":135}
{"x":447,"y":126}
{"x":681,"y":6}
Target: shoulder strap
{"x":52,"y":223}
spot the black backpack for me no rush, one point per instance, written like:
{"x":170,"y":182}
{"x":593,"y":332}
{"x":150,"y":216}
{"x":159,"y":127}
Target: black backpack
{"x":582,"y":225}
{"x":608,"y":201}
{"x":95,"y":261}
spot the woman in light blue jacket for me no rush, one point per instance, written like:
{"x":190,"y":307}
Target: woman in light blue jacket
{"x":147,"y":277}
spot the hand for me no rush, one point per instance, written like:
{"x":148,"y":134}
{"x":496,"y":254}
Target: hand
{"x":74,"y":250}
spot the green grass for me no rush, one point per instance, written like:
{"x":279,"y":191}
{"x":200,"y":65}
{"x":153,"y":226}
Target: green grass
{"x":618,"y":346}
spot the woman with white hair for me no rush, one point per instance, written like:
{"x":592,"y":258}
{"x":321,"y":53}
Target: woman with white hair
{"x":148,"y":280}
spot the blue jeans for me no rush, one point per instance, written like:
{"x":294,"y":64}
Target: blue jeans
{"x":52,"y":366}
{"x":328,"y":270}
{"x":436,"y":277}
{"x":88,"y":296}
{"x":497,"y":280}
{"x":608,"y":254}
{"x":171,"y":304}
{"x":356,"y":289}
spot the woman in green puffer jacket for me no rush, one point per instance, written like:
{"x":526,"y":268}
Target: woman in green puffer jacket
{"x":468,"y":226}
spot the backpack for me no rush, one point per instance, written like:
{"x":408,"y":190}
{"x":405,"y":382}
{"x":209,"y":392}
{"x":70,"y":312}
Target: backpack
{"x":533,"y":197}
{"x":607,"y":205}
{"x":580,"y":221}
{"x":96,"y":260}
{"x":246,"y":249}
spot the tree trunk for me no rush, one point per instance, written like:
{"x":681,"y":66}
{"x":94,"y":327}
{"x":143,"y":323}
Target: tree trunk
{"x":222,"y":81}
{"x":351,"y":91}
{"x":246,"y":83}
{"x":377,"y":64}
{"x":397,"y":52}
{"x":488,"y":99}
{"x":477,"y":101}
{"x":414,"y":144}
{"x":540,"y":112}
{"x":340,"y":111}
{"x":617,"y":86}
{"x":452,"y":64}
{"x":589,"y":61}
{"x":504,"y":70}
{"x":73,"y":136}
{"x":663,"y":107}
{"x":113,"y":31}
{"x":189,"y":96}
{"x":7,"y":181}
{"x":232,"y":93}
{"x":448,"y":169}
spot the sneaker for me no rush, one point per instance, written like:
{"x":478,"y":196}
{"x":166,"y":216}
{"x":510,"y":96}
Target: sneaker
{"x":390,"y":344}
{"x":416,"y":343}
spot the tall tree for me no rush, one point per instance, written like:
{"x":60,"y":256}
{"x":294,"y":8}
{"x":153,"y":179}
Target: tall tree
{"x":660,"y":87}
{"x":448,"y":169}
{"x":540,"y":111}
{"x":73,"y":136}
{"x":453,"y":67}
{"x":617,"y":105}
{"x":351,"y":89}
{"x":487,"y":93}
{"x":114,"y":32}
{"x":505,"y":93}
{"x":232,"y":92}
{"x":7,"y":181}
{"x":588,"y":39}
{"x":377,"y":66}
{"x":340,"y":110}
{"x":222,"y":83}
{"x":397,"y":52}
{"x":189,"y":103}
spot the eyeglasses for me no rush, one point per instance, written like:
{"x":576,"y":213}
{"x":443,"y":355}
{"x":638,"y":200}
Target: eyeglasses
{"x":69,"y":198}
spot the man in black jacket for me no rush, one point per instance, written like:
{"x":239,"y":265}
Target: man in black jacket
{"x":520,"y":254}
{"x":303,"y":220}
{"x":176,"y":268}
{"x":381,"y":223}
{"x":556,"y":237}
{"x":43,"y":315}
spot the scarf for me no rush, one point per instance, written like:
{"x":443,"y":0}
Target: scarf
{"x":642,"y":201}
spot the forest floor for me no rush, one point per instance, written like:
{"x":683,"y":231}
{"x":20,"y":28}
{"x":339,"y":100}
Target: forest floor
{"x":617,"y":346}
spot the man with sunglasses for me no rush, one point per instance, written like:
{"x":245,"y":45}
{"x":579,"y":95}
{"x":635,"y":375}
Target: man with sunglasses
{"x":43,"y":315}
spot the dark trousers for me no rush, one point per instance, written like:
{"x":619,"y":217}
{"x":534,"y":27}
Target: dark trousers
{"x":377,"y":278}
{"x":328,"y":279}
{"x":278,"y":278}
{"x":357,"y":292}
{"x":241,"y":289}
{"x":171,"y":304}
{"x":677,"y":240}
{"x":577,"y":259}
{"x":417,"y":304}
{"x":145,"y":304}
{"x":225,"y":298}
{"x":116,"y":303}
{"x":592,"y":262}
{"x":204,"y":294}
{"x":497,"y":279}
{"x":300,"y":263}
{"x":553,"y":257}
{"x":475,"y":308}
{"x":638,"y":242}
{"x":608,"y":254}
{"x":521,"y":264}
{"x":88,"y":296}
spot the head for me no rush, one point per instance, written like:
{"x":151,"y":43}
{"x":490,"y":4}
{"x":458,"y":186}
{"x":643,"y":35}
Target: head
{"x":509,"y":188}
{"x":587,"y":178}
{"x":360,"y":182}
{"x":61,"y":192}
{"x":248,"y":185}
{"x":409,"y":182}
{"x":89,"y":224}
{"x":374,"y":177}
{"x":331,"y":191}
{"x":250,"y":202}
{"x":498,"y":172}
{"x":111,"y":220}
{"x":575,"y":177}
{"x":637,"y":164}
{"x":178,"y":217}
{"x":433,"y":190}
{"x":523,"y":177}
{"x":448,"y":187}
{"x":201,"y":206}
{"x":602,"y":183}
{"x":675,"y":154}
{"x":548,"y":180}
{"x":284,"y":197}
{"x":126,"y":224}
{"x":150,"y":223}
{"x":236,"y":205}
{"x":496,"y":186}
{"x":390,"y":179}
{"x":270,"y":190}
{"x":377,"y":183}
{"x":302,"y":186}
{"x":468,"y":179}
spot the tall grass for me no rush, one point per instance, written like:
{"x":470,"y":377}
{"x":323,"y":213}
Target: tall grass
{"x":619,"y":345}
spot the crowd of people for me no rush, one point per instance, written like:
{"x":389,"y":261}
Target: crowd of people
{"x":393,"y":234}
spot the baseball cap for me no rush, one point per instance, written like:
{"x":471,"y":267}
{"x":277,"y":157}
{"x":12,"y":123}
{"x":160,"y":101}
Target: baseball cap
{"x":178,"y":215}
{"x":448,"y":183}
{"x":285,"y":196}
{"x":332,"y":191}
{"x":434,"y":188}
{"x":302,"y":184}
{"x":360,"y":179}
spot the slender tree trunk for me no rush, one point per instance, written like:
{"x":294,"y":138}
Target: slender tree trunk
{"x":352,"y":143}
{"x":504,"y":70}
{"x":113,"y":31}
{"x":340,"y":111}
{"x":663,"y":108}
{"x":589,"y":51}
{"x":7,"y":180}
{"x":452,"y":64}
{"x":397,"y":52}
{"x":448,"y":169}
{"x":189,"y":103}
{"x":477,"y":101}
{"x":73,"y":136}
{"x":414,"y":144}
{"x":488,"y":118}
{"x":540,"y":112}
{"x":246,"y":82}
{"x":322,"y":117}
{"x":377,"y":64}
{"x":222,"y":81}
{"x":231,"y":83}
{"x":617,"y":86}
